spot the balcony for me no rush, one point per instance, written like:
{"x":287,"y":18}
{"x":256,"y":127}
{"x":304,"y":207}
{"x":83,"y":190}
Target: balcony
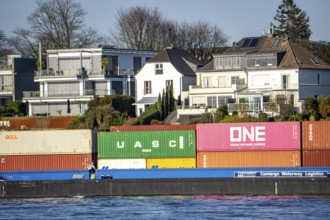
{"x":253,"y":107}
{"x":68,"y":93}
{"x":6,"y":89}
{"x":50,"y":73}
{"x":211,"y":90}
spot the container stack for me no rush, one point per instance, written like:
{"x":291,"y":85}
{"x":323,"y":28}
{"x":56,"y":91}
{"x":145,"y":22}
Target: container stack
{"x":316,"y":144}
{"x":141,"y":150}
{"x":262,"y":144}
{"x":45,"y":150}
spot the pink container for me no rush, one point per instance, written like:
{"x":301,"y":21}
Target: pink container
{"x":248,"y":136}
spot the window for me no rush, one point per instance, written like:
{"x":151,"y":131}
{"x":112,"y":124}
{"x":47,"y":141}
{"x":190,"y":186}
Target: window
{"x":257,"y":62}
{"x":219,"y":63}
{"x":285,"y":81}
{"x":236,"y":62}
{"x":137,"y":64}
{"x":314,"y":60}
{"x":212,"y":101}
{"x":147,"y":87}
{"x":275,"y":44}
{"x":159,"y":68}
{"x":168,"y":83}
{"x":228,"y":63}
{"x":207,"y":82}
{"x":235,"y":80}
{"x":269,"y":62}
{"x":223,"y":100}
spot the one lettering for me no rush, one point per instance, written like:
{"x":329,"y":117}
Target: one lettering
{"x":242,"y":134}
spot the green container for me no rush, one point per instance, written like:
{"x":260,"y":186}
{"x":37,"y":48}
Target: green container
{"x":146,"y":144}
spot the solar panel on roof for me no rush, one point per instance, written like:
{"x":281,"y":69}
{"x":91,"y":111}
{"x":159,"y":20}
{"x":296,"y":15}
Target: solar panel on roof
{"x":246,"y":43}
{"x":254,"y":42}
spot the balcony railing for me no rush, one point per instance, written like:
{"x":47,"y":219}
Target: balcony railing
{"x":73,"y":93}
{"x":4,"y":88}
{"x":253,"y":107}
{"x":86,"y":72}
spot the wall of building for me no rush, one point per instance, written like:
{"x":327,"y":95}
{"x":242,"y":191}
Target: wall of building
{"x":24,"y":77}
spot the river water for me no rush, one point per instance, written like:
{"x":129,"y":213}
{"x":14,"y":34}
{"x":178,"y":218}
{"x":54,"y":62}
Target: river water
{"x":169,"y":207}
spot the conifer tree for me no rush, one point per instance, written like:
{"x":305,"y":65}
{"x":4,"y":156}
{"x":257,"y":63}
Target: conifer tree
{"x":292,"y":21}
{"x":159,"y":107}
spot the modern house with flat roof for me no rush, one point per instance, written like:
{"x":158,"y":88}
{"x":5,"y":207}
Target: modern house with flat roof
{"x":73,"y":77}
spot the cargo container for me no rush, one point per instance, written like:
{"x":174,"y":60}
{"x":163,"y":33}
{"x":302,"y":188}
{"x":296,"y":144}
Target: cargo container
{"x":248,"y":159}
{"x":171,"y":163}
{"x":45,"y":162}
{"x":45,"y":142}
{"x":39,"y":123}
{"x":316,"y":135}
{"x":248,"y":136}
{"x":154,"y":127}
{"x":151,"y":144}
{"x":121,"y":163}
{"x":315,"y":158}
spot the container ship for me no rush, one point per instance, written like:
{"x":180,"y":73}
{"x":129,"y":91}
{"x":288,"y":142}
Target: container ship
{"x":261,"y":158}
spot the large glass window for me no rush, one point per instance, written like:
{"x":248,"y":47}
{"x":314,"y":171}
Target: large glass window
{"x":223,"y":100}
{"x":212,"y":101}
{"x":147,"y":87}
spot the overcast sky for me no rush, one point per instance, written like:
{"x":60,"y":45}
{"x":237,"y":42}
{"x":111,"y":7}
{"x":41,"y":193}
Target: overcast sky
{"x":236,"y":18}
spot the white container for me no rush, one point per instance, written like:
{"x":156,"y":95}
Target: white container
{"x":121,"y":164}
{"x":46,"y":142}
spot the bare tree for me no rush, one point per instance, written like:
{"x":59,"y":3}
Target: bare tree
{"x":200,"y":39}
{"x":4,"y":48}
{"x":58,"y":24}
{"x":137,"y":28}
{"x":144,"y":28}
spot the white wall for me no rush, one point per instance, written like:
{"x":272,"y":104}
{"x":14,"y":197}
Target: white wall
{"x":271,"y":79}
{"x":158,"y":82}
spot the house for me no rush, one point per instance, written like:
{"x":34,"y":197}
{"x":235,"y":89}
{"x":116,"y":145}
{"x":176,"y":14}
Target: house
{"x":16,"y":76}
{"x":171,"y":66}
{"x":73,"y":77}
{"x":257,"y":74}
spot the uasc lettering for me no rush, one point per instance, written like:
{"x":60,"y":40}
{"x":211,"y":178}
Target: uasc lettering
{"x":242,"y":134}
{"x":154,"y":144}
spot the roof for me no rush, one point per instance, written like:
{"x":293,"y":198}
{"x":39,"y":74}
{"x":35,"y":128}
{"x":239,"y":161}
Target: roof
{"x":147,"y":100}
{"x":184,"y":62}
{"x":307,"y":60}
{"x":290,"y":55}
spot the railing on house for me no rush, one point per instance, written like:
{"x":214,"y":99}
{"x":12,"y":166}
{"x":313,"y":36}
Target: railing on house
{"x":61,"y":93}
{"x":6,"y":88}
{"x":82,"y":72}
{"x":253,"y":107}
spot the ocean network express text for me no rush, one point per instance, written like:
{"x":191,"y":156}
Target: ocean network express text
{"x":245,"y":137}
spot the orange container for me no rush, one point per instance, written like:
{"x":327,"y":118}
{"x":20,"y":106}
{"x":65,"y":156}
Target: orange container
{"x":248,"y":159}
{"x":316,"y":135}
{"x":45,"y":162}
{"x":316,"y":158}
{"x":154,"y":127}
{"x":58,"y":122}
